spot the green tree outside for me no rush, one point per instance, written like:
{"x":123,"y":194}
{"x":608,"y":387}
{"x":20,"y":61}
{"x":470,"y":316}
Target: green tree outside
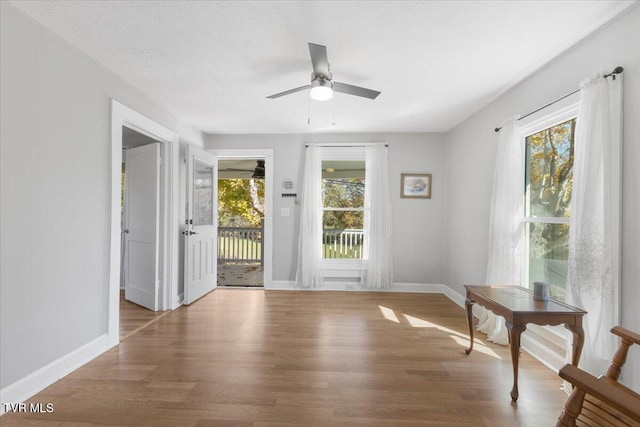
{"x":240,"y":202}
{"x":343,"y":193}
{"x":549,"y":181}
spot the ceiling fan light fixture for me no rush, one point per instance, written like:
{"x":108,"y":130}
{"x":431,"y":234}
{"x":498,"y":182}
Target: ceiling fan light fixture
{"x":321,"y":90}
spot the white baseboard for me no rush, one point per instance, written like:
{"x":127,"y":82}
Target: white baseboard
{"x":37,"y":381}
{"x":177,"y":300}
{"x":329,"y":285}
{"x":453,"y":295}
{"x":543,"y":350}
{"x":281,"y":285}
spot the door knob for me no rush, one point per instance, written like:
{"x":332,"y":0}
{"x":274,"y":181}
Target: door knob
{"x":192,"y":233}
{"x":126,"y":230}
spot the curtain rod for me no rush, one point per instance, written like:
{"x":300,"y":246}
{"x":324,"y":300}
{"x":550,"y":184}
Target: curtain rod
{"x":617,"y":70}
{"x":344,"y":146}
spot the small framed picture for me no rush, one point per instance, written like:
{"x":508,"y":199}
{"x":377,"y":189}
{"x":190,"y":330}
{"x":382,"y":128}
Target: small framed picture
{"x":415,"y":185}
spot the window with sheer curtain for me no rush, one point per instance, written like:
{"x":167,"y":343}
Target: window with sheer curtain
{"x":343,"y":185}
{"x":571,"y":212}
{"x":345,"y":215}
{"x":548,"y":183}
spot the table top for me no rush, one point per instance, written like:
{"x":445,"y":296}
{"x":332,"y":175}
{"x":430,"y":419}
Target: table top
{"x":520,"y":300}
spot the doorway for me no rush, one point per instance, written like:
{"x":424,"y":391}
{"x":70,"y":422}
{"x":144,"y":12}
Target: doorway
{"x":140,"y":237}
{"x":245,"y":221}
{"x":241,"y":215}
{"x":128,"y":125}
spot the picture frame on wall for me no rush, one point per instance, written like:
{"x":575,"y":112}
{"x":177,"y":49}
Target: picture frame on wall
{"x":415,"y":185}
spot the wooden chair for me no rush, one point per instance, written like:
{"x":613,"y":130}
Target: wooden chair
{"x":602,"y":401}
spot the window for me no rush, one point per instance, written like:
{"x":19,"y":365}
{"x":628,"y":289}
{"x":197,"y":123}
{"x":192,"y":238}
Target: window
{"x":548,"y":183}
{"x":343,"y":184}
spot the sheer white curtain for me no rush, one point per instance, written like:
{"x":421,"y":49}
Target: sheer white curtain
{"x":309,"y":273}
{"x":377,"y":266}
{"x":505,"y":224}
{"x":593,"y":282}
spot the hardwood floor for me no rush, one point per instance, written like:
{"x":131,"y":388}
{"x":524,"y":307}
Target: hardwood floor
{"x":260,"y":358}
{"x":133,"y":317}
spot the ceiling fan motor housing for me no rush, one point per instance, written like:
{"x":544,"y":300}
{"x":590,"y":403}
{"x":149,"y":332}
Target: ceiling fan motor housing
{"x":326,"y":77}
{"x":321,"y":88}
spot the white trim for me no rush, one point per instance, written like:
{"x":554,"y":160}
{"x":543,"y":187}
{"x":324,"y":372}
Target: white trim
{"x":343,"y":152}
{"x":344,"y":273}
{"x":37,"y":381}
{"x":454,"y":296}
{"x":344,"y":144}
{"x":267,"y":154}
{"x":562,"y":111}
{"x":428,"y":288}
{"x":546,"y":220}
{"x":122,"y":115}
{"x":547,"y":344}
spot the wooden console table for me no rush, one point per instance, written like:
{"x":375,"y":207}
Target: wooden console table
{"x":517,"y":306}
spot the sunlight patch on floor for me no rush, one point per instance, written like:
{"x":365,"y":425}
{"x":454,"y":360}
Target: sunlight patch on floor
{"x":459,"y":338}
{"x":478,"y":346}
{"x":389,"y":314}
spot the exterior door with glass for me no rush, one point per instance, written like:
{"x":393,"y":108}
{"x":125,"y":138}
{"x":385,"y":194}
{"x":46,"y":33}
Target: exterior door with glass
{"x":201,"y":229}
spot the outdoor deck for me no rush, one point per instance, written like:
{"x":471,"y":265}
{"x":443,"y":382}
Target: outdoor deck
{"x":246,"y":275}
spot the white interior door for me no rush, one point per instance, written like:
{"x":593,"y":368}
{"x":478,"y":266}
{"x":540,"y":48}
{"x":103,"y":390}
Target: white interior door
{"x":201,"y":249}
{"x":142,"y":199}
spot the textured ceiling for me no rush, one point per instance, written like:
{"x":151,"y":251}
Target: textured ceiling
{"x":212,"y":63}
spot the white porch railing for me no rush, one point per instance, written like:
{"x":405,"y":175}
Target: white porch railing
{"x":244,"y":244}
{"x":240,"y":244}
{"x":342,"y":244}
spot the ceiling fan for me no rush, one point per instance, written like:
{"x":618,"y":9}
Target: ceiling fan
{"x":258,"y":171}
{"x":322,"y":85}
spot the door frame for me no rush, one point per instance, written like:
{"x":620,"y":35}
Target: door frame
{"x":267,"y":155}
{"x":122,"y":115}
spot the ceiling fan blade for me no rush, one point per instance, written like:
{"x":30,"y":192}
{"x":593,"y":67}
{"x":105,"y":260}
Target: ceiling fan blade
{"x":319,"y":60}
{"x":355,"y":90}
{"x":287,"y":92}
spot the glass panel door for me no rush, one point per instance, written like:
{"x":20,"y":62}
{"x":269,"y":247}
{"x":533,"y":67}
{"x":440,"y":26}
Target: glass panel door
{"x":202,"y":194}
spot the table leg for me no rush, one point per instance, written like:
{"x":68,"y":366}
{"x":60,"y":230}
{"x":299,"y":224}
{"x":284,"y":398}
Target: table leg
{"x":577,"y":342}
{"x":468,"y":303}
{"x":514,"y":337}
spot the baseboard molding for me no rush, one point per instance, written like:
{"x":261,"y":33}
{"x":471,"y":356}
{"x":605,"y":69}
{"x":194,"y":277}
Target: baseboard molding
{"x":177,"y":300}
{"x":289,"y":285}
{"x":536,"y":345}
{"x":453,"y":295}
{"x":280,"y":285}
{"x":37,"y":381}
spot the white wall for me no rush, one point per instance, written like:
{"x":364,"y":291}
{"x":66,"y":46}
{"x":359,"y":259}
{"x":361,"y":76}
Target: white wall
{"x":471,"y":149}
{"x":418,"y":225}
{"x":55,"y":193}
